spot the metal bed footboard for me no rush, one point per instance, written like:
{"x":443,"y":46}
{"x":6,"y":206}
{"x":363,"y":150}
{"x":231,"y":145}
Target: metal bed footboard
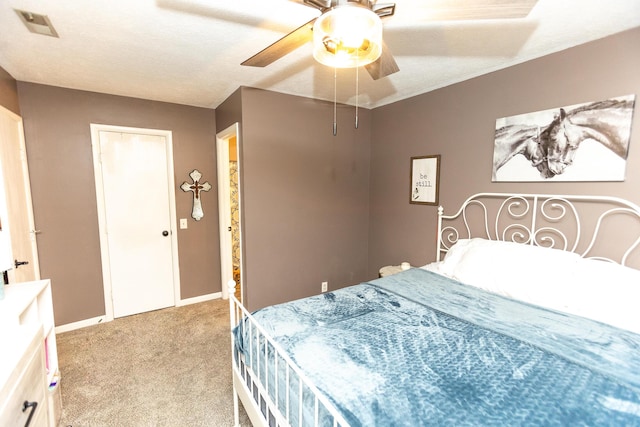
{"x":272,"y":389}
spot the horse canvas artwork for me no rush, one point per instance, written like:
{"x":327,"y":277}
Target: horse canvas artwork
{"x":582,"y":142}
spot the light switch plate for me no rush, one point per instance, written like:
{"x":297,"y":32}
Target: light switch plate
{"x":183,"y":223}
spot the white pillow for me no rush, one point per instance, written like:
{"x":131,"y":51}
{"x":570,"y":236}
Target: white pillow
{"x":606,"y":292}
{"x":508,"y":268}
{"x":530,"y":273}
{"x":454,"y":255}
{"x":434,"y":267}
{"x":552,"y":278}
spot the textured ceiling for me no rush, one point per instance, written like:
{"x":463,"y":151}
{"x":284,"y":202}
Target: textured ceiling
{"x":189,"y":51}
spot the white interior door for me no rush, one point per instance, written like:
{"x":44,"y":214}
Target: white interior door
{"x":137,"y":216}
{"x":17,"y":220}
{"x":6,"y":254}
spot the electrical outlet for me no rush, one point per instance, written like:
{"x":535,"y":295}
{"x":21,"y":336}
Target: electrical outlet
{"x":325,"y":285}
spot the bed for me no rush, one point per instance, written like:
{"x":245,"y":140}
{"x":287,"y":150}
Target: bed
{"x":527,"y":317}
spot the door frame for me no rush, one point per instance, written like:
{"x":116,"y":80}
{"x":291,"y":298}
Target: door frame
{"x":26,"y":184}
{"x":96,"y":128}
{"x":224,"y":208}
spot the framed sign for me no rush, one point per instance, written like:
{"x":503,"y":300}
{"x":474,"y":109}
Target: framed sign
{"x":425,"y":180}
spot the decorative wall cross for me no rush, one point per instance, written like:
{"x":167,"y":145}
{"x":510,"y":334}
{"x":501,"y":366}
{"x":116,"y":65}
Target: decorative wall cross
{"x":196,"y":187}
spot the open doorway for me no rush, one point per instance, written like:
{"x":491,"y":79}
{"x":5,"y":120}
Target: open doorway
{"x":228,"y":145}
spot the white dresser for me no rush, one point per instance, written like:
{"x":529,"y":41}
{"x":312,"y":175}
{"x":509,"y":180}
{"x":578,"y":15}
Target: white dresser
{"x":28,"y":307}
{"x":23,"y":397}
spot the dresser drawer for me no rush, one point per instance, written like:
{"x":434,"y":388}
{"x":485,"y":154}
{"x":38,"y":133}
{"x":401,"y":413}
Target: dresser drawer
{"x":26,"y":384}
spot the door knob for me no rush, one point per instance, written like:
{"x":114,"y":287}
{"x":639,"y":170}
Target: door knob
{"x":165,"y":233}
{"x":19,"y":263}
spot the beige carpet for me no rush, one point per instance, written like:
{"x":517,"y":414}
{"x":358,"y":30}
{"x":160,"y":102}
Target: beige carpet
{"x":169,"y":367}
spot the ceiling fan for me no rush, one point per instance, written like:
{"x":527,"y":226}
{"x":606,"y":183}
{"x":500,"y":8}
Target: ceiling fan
{"x":386,"y":64}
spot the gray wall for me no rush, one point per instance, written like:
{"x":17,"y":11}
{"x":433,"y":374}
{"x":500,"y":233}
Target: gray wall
{"x":8,"y":92}
{"x":58,"y":143}
{"x":458,"y":122}
{"x":230,"y":111}
{"x":304,"y":194}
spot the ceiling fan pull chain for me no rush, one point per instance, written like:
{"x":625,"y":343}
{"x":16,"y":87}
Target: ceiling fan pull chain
{"x":357,"y":89}
{"x":335,"y":95}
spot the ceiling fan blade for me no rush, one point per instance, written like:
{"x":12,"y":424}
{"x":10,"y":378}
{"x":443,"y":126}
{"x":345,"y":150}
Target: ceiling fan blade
{"x":321,"y":5}
{"x":384,"y":9}
{"x":285,"y":45}
{"x":452,"y":10}
{"x":383,"y":66}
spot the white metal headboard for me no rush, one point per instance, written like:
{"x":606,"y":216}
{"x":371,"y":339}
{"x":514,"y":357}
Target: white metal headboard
{"x":600,"y":227}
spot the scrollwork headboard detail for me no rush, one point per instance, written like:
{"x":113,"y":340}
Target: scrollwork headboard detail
{"x":600,"y":227}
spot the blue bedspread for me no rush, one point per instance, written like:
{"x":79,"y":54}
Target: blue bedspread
{"x":416,"y":348}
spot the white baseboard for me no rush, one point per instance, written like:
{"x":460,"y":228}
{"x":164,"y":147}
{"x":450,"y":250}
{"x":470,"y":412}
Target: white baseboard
{"x":80,"y":324}
{"x":100,"y":319}
{"x":201,"y":298}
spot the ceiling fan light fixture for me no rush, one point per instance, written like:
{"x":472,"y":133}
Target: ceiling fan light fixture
{"x":347,"y":36}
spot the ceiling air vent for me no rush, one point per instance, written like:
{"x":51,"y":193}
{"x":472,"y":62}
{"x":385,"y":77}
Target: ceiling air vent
{"x":38,"y":24}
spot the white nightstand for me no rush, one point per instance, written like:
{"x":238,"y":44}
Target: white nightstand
{"x":393,"y":269}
